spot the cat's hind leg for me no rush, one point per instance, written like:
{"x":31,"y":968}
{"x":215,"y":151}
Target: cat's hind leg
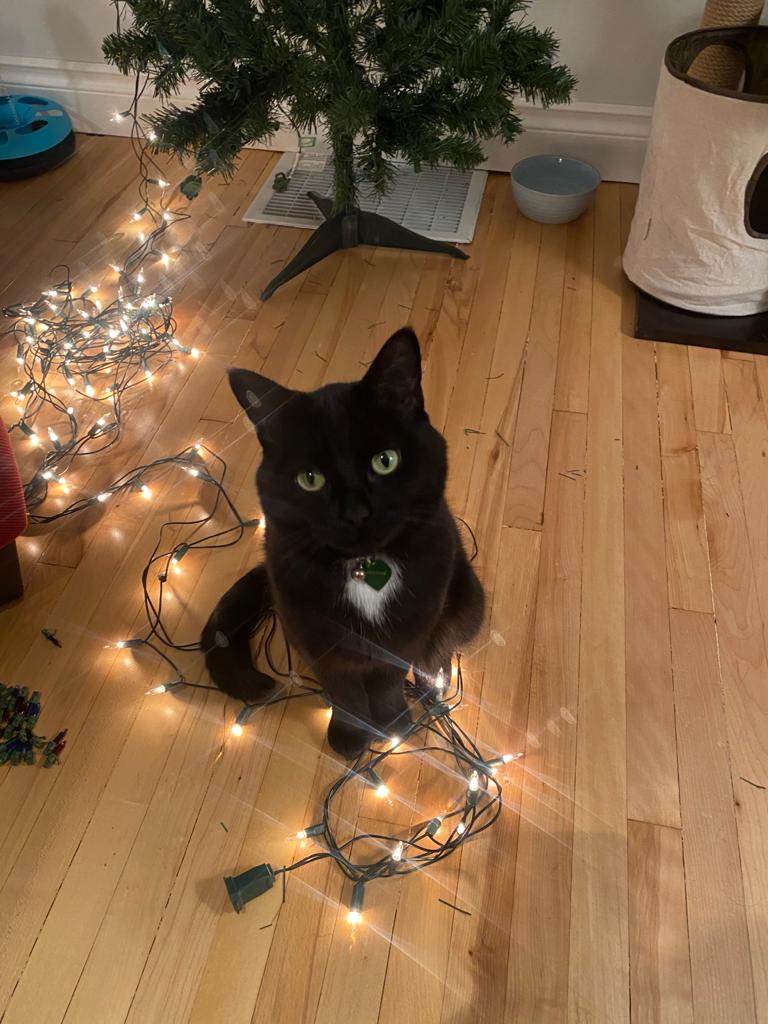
{"x":225,"y":639}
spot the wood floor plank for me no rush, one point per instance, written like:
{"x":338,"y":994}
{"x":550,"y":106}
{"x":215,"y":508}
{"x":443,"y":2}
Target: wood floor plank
{"x":537,"y":987}
{"x":598,"y":978}
{"x":652,"y":792}
{"x":479,"y":944}
{"x":660,"y":968}
{"x":744,"y":670}
{"x":447,"y":338}
{"x":710,"y":406}
{"x":722,"y":984}
{"x":572,"y":381}
{"x":750,"y":441}
{"x":474,"y":367}
{"x":687,"y":557}
{"x":487,"y":488}
{"x":528,"y":465}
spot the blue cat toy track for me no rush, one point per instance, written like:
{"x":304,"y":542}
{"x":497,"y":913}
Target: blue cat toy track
{"x":35,"y":135}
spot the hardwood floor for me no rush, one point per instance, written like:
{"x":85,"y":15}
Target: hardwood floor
{"x":619,"y":495}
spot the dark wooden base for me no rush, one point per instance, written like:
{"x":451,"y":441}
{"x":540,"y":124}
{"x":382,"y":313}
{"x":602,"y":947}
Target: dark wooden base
{"x":656,"y":321}
{"x":11,"y":585}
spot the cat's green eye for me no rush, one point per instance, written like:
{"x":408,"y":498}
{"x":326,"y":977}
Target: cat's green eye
{"x":385,"y":462}
{"x":310,"y":480}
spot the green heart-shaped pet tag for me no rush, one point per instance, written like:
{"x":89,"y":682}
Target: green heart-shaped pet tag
{"x":375,"y":572}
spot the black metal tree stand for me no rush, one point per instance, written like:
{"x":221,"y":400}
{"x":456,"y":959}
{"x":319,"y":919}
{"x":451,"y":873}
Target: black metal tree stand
{"x":350,"y":228}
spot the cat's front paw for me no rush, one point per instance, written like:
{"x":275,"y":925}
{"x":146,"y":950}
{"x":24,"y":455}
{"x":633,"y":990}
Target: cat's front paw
{"x":348,"y":740}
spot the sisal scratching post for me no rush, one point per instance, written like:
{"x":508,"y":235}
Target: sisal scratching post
{"x":720,"y":65}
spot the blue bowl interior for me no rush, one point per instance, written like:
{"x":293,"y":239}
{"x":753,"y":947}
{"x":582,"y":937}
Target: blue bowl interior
{"x":556,"y":175}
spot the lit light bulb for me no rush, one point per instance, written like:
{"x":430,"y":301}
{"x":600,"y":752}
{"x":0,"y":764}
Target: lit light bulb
{"x":301,"y":834}
{"x":236,"y":730}
{"x":355,"y":914}
{"x":397,"y":853}
{"x":165,"y":259}
{"x":156,"y":689}
{"x":163,"y":184}
{"x":64,"y":485}
{"x":195,"y":353}
{"x":461,"y":828}
{"x":454,"y":671}
{"x":193,"y":471}
{"x":166,"y":217}
{"x":440,"y":680}
{"x":380,"y":787}
{"x":34,"y":439}
{"x":506,"y":758}
{"x":152,"y":136}
{"x":262,"y":523}
{"x":19,"y":360}
{"x":148,"y":374}
{"x":395,"y":741}
{"x":89,"y":390}
{"x":103,"y":496}
{"x":474,"y":782}
{"x":146,"y":492}
{"x":92,"y":289}
{"x":354,"y":917}
{"x":140,"y":276}
{"x":52,"y":434}
{"x":137,"y":216}
{"x":113,"y":333}
{"x":142,"y":238}
{"x":70,"y":410}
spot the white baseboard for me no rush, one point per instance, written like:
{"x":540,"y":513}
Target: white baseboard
{"x":610,"y":136}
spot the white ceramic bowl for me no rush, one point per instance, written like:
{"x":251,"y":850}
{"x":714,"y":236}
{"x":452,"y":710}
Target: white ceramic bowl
{"x":553,"y":189}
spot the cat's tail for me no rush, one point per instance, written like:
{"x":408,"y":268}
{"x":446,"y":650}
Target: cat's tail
{"x":225,"y":639}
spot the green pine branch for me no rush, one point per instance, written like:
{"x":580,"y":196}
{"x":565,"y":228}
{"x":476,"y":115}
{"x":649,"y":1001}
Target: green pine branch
{"x":423,"y":80}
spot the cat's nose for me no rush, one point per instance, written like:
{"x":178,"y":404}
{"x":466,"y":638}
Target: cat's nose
{"x":355,"y":510}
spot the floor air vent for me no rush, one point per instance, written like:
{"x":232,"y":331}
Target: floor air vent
{"x":439,"y":202}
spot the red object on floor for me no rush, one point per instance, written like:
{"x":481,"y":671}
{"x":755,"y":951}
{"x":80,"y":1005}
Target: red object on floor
{"x":13,"y":513}
{"x":13,"y":519}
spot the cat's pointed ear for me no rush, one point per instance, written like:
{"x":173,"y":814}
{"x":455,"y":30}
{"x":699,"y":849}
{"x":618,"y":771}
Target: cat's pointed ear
{"x":394,"y":376}
{"x":259,"y":396}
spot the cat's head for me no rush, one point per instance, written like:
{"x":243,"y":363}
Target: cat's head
{"x":349,"y":465}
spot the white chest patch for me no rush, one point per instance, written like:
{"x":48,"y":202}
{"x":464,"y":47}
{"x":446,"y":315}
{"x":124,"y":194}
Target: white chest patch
{"x":370,"y":603}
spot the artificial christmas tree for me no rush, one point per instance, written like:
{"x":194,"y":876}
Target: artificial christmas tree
{"x":425,"y":80}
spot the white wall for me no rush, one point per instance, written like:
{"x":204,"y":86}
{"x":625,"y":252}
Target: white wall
{"x":613,"y":46}
{"x":56,"y":29}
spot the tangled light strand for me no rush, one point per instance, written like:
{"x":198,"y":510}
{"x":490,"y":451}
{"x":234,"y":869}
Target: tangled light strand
{"x":76,"y":341}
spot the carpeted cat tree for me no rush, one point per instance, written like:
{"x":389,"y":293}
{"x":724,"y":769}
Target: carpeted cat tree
{"x":698,"y":247}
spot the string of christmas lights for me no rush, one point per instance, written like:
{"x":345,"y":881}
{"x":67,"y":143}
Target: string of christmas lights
{"x":432,"y":732}
{"x":81,"y":349}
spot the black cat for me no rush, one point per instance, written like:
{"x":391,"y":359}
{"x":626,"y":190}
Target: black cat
{"x":363,"y":560}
